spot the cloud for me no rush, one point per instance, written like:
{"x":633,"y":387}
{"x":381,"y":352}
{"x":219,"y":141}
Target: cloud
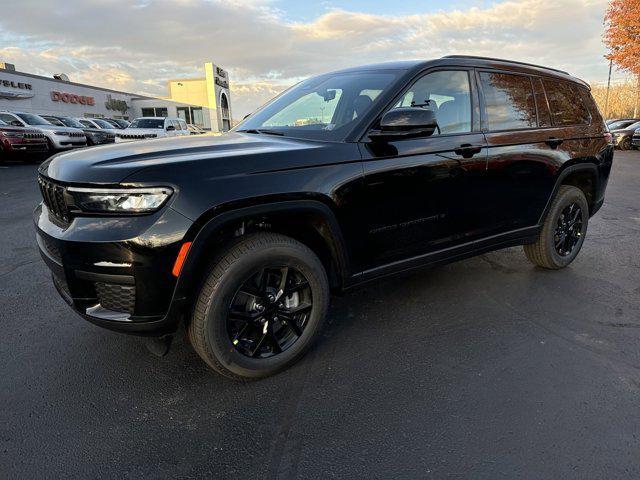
{"x":139,"y":45}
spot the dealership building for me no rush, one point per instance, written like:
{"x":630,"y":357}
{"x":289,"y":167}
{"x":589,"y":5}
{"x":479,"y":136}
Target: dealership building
{"x":203,"y":101}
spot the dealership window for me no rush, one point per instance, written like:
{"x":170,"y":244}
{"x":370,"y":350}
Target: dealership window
{"x":508,"y":101}
{"x":196,"y":117}
{"x":155,"y":112}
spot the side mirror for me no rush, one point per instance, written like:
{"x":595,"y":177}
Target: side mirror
{"x":170,"y":128}
{"x":406,"y":122}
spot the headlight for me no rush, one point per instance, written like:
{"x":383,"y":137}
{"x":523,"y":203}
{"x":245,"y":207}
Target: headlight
{"x":150,"y":135}
{"x":116,"y":200}
{"x":11,"y":134}
{"x":62,"y":134}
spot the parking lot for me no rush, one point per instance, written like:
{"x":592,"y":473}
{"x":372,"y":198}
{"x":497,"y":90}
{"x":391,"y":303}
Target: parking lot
{"x":485,"y":368}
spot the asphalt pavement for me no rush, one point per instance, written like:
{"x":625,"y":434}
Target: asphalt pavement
{"x":484,"y":368}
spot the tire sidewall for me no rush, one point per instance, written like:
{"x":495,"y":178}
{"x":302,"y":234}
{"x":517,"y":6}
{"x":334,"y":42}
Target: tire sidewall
{"x":568,"y":197}
{"x":217,"y":341}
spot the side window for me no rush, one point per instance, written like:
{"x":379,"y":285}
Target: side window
{"x":183,"y":125}
{"x":7,"y":118}
{"x":508,"y":101}
{"x":565,"y":103}
{"x":544,"y":116}
{"x":448,"y":94}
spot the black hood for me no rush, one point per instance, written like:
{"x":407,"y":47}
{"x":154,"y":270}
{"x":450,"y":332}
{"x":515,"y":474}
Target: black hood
{"x":114,"y":163}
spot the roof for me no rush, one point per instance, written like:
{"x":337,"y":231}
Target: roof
{"x":468,"y":61}
{"x":55,"y":80}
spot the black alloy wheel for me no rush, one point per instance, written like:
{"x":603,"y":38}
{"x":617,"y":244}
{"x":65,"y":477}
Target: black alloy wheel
{"x":568,"y":230}
{"x":269,"y":312}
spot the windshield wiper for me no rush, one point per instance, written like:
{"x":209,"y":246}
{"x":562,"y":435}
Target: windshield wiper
{"x":263,"y":131}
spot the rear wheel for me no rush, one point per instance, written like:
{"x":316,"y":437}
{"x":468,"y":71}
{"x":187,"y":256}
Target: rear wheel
{"x":261,"y":308}
{"x":563,"y":232}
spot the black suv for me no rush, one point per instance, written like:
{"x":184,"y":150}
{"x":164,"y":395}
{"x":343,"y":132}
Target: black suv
{"x":343,"y":178}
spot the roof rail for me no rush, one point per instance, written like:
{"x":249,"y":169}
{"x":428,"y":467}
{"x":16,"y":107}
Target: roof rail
{"x":508,"y":61}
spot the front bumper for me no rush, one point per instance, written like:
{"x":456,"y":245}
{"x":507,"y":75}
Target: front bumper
{"x":21,"y":145}
{"x":62,"y":142}
{"x":116,"y":271}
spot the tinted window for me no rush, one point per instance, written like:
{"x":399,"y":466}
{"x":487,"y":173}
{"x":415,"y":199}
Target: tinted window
{"x":101,"y":123}
{"x":508,"y":101}
{"x":86,"y":123}
{"x":448,"y":94}
{"x":54,"y":121}
{"x":565,"y":103}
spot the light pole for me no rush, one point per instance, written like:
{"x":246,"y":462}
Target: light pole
{"x":606,"y":102}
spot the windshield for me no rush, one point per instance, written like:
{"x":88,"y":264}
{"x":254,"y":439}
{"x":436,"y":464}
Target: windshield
{"x":147,"y":123}
{"x":621,"y":124}
{"x":634,"y":126}
{"x":324,"y":108}
{"x":71,"y":122}
{"x":32,"y":119}
{"x":101,"y":123}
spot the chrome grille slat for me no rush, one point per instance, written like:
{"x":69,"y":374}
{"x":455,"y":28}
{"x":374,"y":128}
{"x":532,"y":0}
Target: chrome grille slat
{"x":53,"y":196}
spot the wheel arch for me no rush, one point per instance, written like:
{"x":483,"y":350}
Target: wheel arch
{"x":581,"y":175}
{"x":317,"y":227}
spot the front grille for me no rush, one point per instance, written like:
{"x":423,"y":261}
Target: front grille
{"x":136,"y":136}
{"x":76,"y":134}
{"x":33,"y":135}
{"x":53,"y":195}
{"x":118,"y":298}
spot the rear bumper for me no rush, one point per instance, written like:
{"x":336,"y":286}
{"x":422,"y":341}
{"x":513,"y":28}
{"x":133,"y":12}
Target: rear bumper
{"x":114,"y":272}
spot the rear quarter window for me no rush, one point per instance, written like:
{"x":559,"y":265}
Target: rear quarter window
{"x":566,"y":103}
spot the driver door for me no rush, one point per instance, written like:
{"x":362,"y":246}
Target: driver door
{"x":426,"y":194}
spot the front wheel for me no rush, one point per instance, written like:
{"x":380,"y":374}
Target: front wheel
{"x":563,"y":232}
{"x":261,"y":307}
{"x":625,"y":144}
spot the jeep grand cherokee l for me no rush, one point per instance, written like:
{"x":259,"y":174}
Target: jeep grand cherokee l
{"x":17,"y":139}
{"x":343,"y":178}
{"x":58,"y":138}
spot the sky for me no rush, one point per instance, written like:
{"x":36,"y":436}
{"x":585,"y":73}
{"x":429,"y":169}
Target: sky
{"x":267,"y":45}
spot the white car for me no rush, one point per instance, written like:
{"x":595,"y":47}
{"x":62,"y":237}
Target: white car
{"x":58,"y":138}
{"x":145,"y":128}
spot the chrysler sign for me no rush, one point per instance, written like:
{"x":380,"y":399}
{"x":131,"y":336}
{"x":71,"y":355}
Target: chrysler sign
{"x":71,"y":98}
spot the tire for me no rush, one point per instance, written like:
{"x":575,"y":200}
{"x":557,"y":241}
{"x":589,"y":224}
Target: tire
{"x":245,"y":262}
{"x":625,"y":144}
{"x":544,"y":251}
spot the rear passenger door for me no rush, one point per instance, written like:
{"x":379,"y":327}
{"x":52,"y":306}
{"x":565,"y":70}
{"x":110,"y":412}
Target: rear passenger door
{"x":523,"y":148}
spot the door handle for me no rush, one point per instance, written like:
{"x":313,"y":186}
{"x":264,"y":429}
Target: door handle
{"x":553,"y":142}
{"x":467,"y":150}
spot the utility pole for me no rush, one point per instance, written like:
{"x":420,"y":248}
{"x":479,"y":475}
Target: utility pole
{"x":606,"y":102}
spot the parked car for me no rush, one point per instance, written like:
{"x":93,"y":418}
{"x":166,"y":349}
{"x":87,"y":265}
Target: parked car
{"x":16,"y":139}
{"x":622,"y":136}
{"x":145,"y":128}
{"x":621,"y":123}
{"x":118,"y":122}
{"x":95,"y":136}
{"x":195,"y":130}
{"x":58,"y":138}
{"x":344,"y":178}
{"x":98,"y":123}
{"x":635,"y":139}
